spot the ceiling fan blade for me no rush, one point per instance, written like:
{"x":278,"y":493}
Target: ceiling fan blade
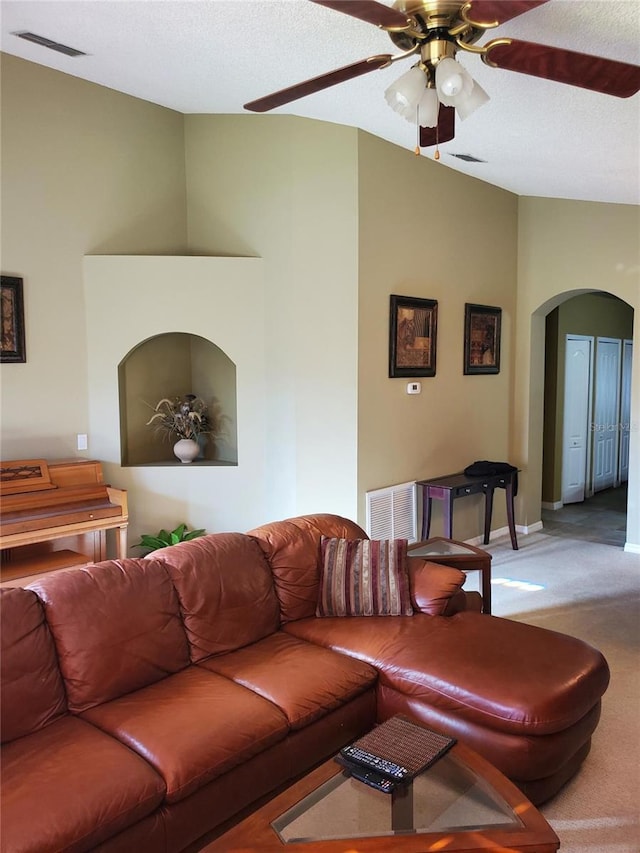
{"x":367,"y":10}
{"x":316,"y":84}
{"x":445,"y":131}
{"x":565,"y":66}
{"x":499,"y":11}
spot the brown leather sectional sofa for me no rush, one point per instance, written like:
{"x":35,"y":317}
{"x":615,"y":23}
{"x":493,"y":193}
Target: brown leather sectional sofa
{"x":144,"y":702}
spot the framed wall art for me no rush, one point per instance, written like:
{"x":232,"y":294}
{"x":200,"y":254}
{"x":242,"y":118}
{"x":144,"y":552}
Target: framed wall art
{"x":12,"y":346}
{"x":481,"y":339}
{"x":412,"y":336}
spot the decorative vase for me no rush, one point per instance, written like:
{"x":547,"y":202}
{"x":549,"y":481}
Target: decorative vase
{"x":186,"y":449}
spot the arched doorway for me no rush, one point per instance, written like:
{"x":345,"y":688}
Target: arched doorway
{"x":585,"y":324}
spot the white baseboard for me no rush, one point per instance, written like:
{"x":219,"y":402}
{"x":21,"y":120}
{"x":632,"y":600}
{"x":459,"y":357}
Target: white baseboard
{"x":552,"y":505}
{"x":529,"y":528}
{"x":632,"y":548}
{"x":504,"y":531}
{"x":478,"y":540}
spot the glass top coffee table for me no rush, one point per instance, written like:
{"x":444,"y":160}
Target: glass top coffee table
{"x":460,"y":803}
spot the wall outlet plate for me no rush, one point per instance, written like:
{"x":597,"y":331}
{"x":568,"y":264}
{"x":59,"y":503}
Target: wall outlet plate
{"x":414,"y":387}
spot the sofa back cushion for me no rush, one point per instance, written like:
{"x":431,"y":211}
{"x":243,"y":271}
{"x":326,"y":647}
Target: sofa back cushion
{"x":31,"y":690}
{"x":292,"y":548}
{"x":226,"y":592}
{"x":116,"y":626}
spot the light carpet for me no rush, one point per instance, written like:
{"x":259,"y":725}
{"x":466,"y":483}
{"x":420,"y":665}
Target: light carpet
{"x":590,"y":591}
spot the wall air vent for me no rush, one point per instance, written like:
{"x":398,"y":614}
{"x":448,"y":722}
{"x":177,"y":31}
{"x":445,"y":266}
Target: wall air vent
{"x":468,"y":158}
{"x":52,"y":45}
{"x":391,"y":512}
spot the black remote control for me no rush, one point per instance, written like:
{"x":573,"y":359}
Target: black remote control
{"x":389,"y":769}
{"x":370,"y":777}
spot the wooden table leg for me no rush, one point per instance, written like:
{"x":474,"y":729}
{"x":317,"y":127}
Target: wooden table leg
{"x":447,"y":513}
{"x":402,"y":808}
{"x":488,"y":512}
{"x":101,"y":536}
{"x":485,"y":575}
{"x":426,"y":513}
{"x":121,"y":543}
{"x":510,"y":514}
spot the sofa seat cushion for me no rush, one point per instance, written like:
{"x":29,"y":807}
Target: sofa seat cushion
{"x":32,"y":695}
{"x":70,"y":787}
{"x":304,"y":680}
{"x":501,"y":674}
{"x":192,"y":727}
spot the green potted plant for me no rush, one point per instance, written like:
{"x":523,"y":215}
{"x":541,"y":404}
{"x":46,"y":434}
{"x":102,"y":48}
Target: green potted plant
{"x":164,"y":538}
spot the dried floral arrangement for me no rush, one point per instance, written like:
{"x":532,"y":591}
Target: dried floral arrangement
{"x":186,"y":417}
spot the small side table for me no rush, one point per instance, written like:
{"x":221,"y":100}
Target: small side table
{"x":458,"y":555}
{"x":453,"y":486}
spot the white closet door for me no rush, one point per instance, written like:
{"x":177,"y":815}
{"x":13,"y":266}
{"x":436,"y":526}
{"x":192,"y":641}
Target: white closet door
{"x":606,"y":412}
{"x":577,"y":397}
{"x":625,"y":411}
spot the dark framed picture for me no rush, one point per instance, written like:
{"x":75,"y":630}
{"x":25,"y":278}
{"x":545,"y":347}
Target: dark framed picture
{"x":481,"y":339}
{"x":12,"y":343}
{"x":412,"y":336}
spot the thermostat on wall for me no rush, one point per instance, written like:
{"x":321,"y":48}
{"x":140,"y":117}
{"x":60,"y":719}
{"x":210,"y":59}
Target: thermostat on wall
{"x":414,"y":388}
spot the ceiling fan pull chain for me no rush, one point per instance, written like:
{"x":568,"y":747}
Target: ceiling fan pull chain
{"x":436,"y":155}
{"x":416,"y":150}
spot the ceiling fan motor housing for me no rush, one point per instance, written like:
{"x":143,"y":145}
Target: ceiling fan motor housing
{"x":434,"y":19}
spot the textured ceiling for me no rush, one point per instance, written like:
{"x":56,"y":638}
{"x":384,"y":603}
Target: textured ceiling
{"x":538,"y":138}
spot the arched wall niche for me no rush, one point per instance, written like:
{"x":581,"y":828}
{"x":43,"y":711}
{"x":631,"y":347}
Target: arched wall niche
{"x":171,"y":365}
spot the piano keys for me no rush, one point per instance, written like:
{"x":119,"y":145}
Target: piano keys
{"x":46,"y":502}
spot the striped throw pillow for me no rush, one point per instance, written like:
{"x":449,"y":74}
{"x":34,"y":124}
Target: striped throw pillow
{"x":364,"y":577}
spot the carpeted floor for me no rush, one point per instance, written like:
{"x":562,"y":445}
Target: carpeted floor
{"x":592,"y":591}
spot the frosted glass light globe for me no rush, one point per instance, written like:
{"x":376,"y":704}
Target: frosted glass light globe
{"x":449,"y":77}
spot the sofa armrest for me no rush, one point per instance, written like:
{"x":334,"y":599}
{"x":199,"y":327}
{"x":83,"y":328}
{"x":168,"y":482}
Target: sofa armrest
{"x":435,"y":589}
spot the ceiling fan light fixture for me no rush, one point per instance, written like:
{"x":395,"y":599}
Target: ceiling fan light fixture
{"x":428,"y":108}
{"x":469,"y":104}
{"x":452,"y":81}
{"x":404,"y":95}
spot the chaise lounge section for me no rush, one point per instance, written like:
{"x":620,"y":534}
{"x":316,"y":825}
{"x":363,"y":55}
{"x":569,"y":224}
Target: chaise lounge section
{"x":146,"y":701}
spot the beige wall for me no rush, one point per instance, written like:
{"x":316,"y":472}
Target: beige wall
{"x":285,"y":189}
{"x":341,"y":220}
{"x":567,"y":248}
{"x":84,"y":170}
{"x":430,"y":232}
{"x":593,"y":314}
{"x":198,"y":296}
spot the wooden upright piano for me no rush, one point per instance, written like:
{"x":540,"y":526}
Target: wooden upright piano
{"x":44,"y":504}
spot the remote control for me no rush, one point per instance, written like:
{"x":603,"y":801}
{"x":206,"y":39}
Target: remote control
{"x":369,"y":777}
{"x":386,"y":768}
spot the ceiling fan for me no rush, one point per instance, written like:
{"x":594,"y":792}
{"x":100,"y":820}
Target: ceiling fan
{"x":437,"y":86}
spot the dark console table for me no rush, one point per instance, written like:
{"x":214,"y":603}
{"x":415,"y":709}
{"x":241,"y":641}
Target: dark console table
{"x":447,"y":489}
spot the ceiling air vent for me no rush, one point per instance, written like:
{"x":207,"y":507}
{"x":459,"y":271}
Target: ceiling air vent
{"x":52,"y":45}
{"x":468,"y":158}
